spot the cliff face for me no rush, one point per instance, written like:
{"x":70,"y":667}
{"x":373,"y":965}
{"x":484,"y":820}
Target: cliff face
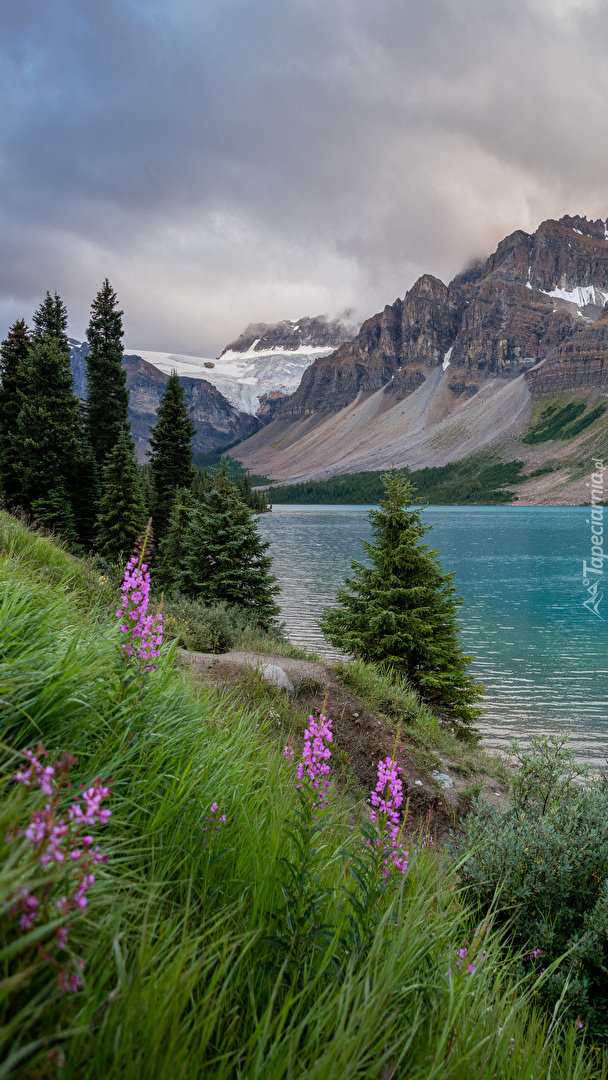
{"x":399,"y":346}
{"x":499,"y":318}
{"x":582,"y":361}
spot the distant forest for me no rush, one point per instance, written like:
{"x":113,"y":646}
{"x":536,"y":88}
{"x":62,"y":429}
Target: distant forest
{"x":472,"y":481}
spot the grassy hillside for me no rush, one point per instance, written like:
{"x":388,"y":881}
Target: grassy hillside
{"x":260,"y":946}
{"x":562,"y":420}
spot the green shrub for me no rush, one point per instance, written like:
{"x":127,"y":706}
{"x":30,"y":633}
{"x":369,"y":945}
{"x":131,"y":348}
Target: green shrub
{"x":206,"y":627}
{"x":547,"y":858}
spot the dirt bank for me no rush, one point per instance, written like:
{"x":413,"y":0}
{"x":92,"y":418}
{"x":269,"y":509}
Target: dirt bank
{"x":363,"y":736}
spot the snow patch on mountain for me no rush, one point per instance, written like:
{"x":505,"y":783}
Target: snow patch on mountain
{"x":265,"y":359}
{"x":581,"y":295}
{"x":242,"y":377}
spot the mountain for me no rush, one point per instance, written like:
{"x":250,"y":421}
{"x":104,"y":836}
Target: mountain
{"x":498,"y":318}
{"x":453,"y":369}
{"x":265,"y":364}
{"x":231,"y":397}
{"x":217,"y":423}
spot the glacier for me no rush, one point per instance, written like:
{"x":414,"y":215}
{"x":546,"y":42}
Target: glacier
{"x":242,"y":377}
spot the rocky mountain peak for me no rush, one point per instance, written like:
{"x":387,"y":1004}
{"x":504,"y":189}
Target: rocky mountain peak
{"x":498,"y":318}
{"x":595,"y":230}
{"x":316,"y":332}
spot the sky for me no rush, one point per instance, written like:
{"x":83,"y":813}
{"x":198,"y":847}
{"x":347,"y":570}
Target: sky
{"x":233,"y":161}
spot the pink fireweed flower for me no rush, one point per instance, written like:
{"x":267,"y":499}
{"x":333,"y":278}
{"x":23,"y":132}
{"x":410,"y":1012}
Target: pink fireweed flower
{"x":533,"y":955}
{"x":89,"y":811}
{"x":37,"y":773}
{"x":316,"y":755}
{"x":97,"y":857}
{"x":79,"y":897}
{"x":29,"y":905}
{"x":56,"y":840}
{"x":145,"y":631}
{"x":69,"y":983}
{"x":467,"y":958}
{"x":288,"y":753}
{"x":213,"y":821}
{"x":386,"y":799}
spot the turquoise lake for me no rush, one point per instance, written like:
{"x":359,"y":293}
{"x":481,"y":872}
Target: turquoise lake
{"x":541,"y":655}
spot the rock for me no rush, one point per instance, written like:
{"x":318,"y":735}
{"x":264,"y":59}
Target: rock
{"x":269,"y":403}
{"x":395,"y":346}
{"x":442,"y":779}
{"x":275,"y":674}
{"x":79,"y":350}
{"x":318,"y":331}
{"x":582,"y":361}
{"x":461,"y":386}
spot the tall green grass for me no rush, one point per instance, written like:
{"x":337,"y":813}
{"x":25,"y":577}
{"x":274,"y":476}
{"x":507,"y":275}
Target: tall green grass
{"x":180,"y":977}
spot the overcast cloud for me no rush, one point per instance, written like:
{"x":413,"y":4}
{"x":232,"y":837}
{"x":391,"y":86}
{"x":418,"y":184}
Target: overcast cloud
{"x":228,"y":161}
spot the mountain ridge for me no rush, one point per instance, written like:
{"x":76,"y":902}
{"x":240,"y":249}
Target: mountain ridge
{"x":501,"y":316}
{"x":452,"y":369}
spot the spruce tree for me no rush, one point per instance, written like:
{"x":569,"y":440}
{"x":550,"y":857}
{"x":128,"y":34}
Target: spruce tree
{"x":49,"y":437}
{"x":171,"y":455}
{"x":402,"y":611}
{"x":13,"y":356}
{"x":226,"y":557}
{"x":86,"y":490}
{"x":52,"y":318}
{"x":174,"y":545}
{"x":107,"y":395}
{"x":122,"y":509}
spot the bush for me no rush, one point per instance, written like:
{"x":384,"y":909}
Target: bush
{"x":206,"y":627}
{"x":546,"y":859}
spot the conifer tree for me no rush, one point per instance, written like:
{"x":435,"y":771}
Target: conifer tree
{"x":52,"y":318}
{"x":257,"y":500}
{"x":107,"y":396}
{"x":122,"y":509}
{"x":226,"y":557}
{"x":174,"y":545}
{"x":49,"y":436}
{"x":13,"y":356}
{"x":146,"y":486}
{"x":86,"y":489}
{"x":401,"y":610}
{"x":171,"y":455}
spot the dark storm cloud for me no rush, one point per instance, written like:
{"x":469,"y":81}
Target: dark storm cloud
{"x":229,"y":160}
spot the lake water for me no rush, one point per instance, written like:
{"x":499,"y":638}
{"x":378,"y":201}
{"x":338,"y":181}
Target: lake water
{"x":542,"y":656}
